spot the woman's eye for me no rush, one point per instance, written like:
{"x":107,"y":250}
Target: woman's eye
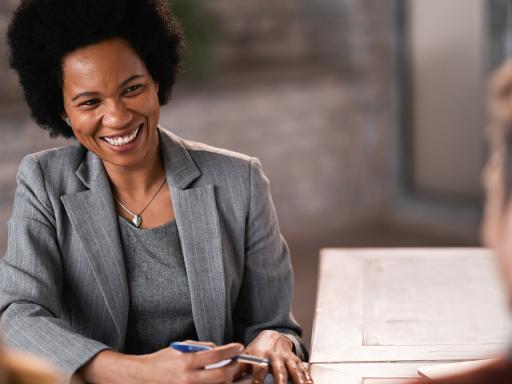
{"x":90,"y":103}
{"x":133,"y":88}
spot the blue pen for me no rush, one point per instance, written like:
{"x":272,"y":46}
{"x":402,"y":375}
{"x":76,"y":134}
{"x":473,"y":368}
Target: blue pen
{"x":188,"y":348}
{"x":244,"y":358}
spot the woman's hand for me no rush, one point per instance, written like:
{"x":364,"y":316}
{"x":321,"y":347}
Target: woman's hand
{"x":166,"y":366}
{"x":278,"y":349}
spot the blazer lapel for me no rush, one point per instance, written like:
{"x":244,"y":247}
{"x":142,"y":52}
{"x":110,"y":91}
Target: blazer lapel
{"x":200,"y":235}
{"x":94,"y":219}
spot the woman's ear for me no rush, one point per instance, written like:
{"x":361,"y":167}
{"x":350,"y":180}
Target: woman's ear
{"x":65,"y":118}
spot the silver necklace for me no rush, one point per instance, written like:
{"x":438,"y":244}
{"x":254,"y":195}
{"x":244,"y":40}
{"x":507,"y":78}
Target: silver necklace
{"x":137,"y":219}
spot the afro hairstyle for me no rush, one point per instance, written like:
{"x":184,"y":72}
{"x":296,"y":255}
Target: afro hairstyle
{"x":42,"y":32}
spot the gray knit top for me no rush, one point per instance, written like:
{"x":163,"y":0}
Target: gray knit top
{"x":160,"y":307}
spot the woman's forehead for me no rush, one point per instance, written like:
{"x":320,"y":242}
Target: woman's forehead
{"x":104,"y":64}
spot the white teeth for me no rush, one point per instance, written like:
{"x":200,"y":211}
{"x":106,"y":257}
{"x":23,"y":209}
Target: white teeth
{"x":122,"y":140}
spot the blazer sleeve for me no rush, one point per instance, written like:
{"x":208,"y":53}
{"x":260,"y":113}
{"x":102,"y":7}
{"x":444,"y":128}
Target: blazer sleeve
{"x":267,"y":287}
{"x":31,"y":280}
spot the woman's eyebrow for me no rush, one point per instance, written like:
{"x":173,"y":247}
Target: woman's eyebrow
{"x":87,"y":94}
{"x":84,"y":94}
{"x":130,"y":79}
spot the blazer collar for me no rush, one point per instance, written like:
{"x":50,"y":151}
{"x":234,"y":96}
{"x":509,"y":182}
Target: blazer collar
{"x":180,"y":168}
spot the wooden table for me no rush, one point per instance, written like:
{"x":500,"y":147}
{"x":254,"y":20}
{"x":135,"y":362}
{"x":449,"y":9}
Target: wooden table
{"x":382,"y":313}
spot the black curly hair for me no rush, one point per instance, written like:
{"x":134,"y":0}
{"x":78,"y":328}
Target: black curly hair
{"x":42,"y":32}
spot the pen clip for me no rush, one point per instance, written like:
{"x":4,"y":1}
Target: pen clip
{"x":250,"y":359}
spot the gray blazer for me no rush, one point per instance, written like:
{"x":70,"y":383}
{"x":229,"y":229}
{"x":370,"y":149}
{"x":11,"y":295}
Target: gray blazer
{"x":63,"y":288}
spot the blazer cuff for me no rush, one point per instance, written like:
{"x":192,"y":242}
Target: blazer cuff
{"x":88,"y":354}
{"x":297,"y":346}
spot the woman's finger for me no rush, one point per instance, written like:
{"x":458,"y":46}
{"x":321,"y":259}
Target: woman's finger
{"x":279,"y":371}
{"x":221,"y":375}
{"x":202,"y":359}
{"x":242,"y":369}
{"x":296,"y":371}
{"x":206,"y":343}
{"x":258,"y":374}
{"x":309,"y":379}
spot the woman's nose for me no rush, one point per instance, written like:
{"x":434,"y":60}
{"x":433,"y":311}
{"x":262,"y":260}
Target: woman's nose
{"x":116,"y":114}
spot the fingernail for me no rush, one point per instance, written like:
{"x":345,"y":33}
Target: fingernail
{"x":240,"y":347}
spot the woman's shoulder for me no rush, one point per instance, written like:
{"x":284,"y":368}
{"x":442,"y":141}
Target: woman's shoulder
{"x":43,"y":177}
{"x":213,"y":159}
{"x":201,"y":150}
{"x":52,"y":156}
{"x":52,"y":162}
{"x":220,"y":165}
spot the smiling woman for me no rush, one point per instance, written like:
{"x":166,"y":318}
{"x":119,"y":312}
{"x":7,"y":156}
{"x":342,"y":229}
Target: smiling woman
{"x":111,"y":104}
{"x":133,"y":238}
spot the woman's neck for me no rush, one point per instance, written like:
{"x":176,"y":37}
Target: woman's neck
{"x":138,"y":180}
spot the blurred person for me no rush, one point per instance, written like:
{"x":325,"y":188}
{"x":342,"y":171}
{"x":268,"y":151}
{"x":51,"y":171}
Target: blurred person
{"x":133,"y":237}
{"x":496,"y":227}
{"x":21,"y":368}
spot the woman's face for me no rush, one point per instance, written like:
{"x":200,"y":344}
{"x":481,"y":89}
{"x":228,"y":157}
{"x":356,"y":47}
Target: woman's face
{"x":111,"y":101}
{"x":497,"y":220}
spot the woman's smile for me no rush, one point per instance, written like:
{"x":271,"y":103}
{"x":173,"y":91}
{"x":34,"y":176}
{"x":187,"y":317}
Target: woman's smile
{"x":124,"y":142}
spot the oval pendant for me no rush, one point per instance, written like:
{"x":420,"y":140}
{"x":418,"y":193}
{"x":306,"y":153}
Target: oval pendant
{"x":137,"y":221}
